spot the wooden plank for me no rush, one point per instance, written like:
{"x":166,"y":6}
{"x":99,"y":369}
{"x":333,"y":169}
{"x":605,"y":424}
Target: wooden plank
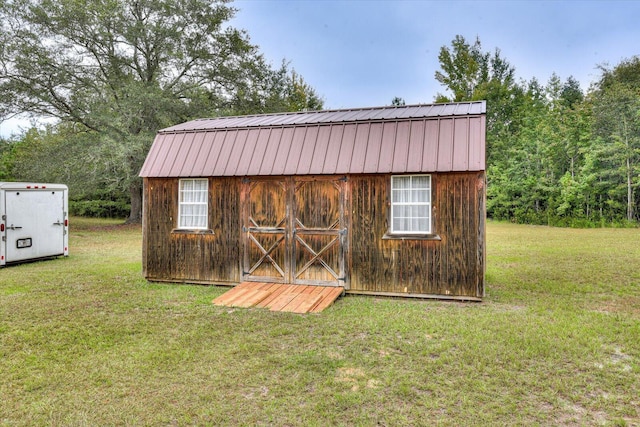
{"x":251,"y":285}
{"x":264,"y":286}
{"x":307,"y":301}
{"x":292,"y":297}
{"x":225,"y":298}
{"x":277,"y":289}
{"x":301,"y":304}
{"x":230,"y":296}
{"x":280,"y":302}
{"x":245,"y":294}
{"x":239,"y":296}
{"x":325,"y":297}
{"x":241,"y":300}
{"x":325,"y":292}
{"x":253,"y":298}
{"x":280,"y":297}
{"x":301,"y":293}
{"x":330,"y":296}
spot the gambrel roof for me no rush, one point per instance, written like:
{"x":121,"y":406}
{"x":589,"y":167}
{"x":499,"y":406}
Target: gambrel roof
{"x":398,"y":139}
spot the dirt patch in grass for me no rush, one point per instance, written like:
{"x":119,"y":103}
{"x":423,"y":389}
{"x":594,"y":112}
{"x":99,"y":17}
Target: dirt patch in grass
{"x":629,"y":305}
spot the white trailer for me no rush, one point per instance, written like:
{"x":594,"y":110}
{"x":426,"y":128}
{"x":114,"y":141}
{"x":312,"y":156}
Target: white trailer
{"x":34,"y":221}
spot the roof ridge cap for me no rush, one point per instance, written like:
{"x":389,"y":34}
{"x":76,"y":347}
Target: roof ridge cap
{"x":339,"y":110}
{"x":347,"y":115}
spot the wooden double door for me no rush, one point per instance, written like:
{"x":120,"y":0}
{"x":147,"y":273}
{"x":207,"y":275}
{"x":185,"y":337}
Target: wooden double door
{"x":294,"y":230}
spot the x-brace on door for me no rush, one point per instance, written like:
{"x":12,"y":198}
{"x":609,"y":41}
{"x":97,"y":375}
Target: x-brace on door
{"x":294,"y":230}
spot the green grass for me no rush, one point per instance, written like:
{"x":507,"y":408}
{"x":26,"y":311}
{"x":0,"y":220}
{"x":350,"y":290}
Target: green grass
{"x":85,"y":340}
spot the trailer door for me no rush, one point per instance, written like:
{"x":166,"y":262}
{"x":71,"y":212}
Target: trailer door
{"x":35,"y":224}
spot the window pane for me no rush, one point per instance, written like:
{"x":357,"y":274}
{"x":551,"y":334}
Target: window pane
{"x":420,"y":196}
{"x":411,"y":204}
{"x":401,"y":224}
{"x":421,"y":181}
{"x":401,"y":182}
{"x":193,"y":203}
{"x":402,"y":196}
{"x":401,"y":211}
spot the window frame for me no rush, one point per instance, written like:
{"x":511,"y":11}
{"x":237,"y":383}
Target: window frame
{"x":429,"y":203}
{"x":182,"y":204}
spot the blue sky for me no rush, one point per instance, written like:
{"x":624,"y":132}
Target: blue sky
{"x":361,"y":53}
{"x":364,"y":53}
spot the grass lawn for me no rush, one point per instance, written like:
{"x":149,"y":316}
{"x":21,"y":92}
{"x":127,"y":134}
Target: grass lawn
{"x":85,"y":340}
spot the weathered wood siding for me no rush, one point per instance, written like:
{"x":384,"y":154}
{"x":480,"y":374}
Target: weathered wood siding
{"x":452,"y":266}
{"x":293,"y":229}
{"x":318,"y":221}
{"x":211,"y":256}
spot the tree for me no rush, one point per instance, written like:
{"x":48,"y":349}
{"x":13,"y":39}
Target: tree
{"x":554,"y":154}
{"x":571,"y":93}
{"x":471,"y":74}
{"x":276,"y":91}
{"x":616,"y":101}
{"x":299,"y":95}
{"x":122,"y":69}
{"x":467,"y":70}
{"x":5,"y":159}
{"x":520,"y":181}
{"x":461,"y":69}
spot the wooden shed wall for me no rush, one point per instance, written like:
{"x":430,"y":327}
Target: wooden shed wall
{"x":185,"y":256}
{"x":452,"y":266}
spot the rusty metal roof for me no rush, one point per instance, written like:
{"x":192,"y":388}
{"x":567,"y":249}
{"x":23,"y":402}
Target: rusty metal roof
{"x":403,"y":139}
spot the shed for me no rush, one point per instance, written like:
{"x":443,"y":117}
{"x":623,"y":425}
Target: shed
{"x":384,"y":201}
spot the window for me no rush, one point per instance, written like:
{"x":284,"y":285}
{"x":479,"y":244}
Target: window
{"x":193,"y":206}
{"x":411,"y":204}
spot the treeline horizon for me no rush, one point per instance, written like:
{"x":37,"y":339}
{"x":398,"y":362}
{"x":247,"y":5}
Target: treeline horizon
{"x":556,"y":154}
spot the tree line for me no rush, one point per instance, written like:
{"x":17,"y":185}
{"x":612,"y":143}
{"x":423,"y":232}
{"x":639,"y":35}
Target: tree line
{"x":556,"y":154}
{"x":113,"y":73}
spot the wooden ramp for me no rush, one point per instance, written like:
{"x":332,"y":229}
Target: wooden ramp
{"x":280,"y":297}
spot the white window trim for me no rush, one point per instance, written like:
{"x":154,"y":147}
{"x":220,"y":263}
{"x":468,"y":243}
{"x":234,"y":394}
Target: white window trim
{"x":181,"y":204}
{"x":427,"y":203}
